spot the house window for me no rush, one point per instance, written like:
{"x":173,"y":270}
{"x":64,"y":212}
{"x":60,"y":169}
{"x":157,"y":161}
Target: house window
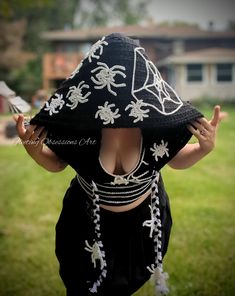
{"x":224,"y":72}
{"x":194,"y":73}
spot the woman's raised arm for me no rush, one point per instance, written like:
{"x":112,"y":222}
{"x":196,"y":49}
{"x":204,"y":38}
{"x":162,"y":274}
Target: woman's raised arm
{"x":33,"y":138}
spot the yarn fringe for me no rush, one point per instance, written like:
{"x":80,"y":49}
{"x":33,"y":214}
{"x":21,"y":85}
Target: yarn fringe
{"x":160,"y":282}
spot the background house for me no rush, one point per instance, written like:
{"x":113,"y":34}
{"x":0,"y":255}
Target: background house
{"x":208,"y":72}
{"x":195,"y":62}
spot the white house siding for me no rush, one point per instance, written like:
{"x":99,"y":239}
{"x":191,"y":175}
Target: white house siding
{"x":209,"y":87}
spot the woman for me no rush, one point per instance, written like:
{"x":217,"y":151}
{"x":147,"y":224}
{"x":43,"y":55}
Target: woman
{"x":116,"y":122}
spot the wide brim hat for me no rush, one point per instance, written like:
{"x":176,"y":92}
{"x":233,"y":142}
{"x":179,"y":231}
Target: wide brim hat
{"x":116,"y":85}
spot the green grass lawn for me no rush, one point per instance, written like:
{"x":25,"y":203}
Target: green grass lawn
{"x":201,"y":254}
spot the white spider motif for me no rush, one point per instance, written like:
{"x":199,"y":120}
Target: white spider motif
{"x":57,"y":102}
{"x":75,"y":95}
{"x":76,"y":70}
{"x":105,"y":76}
{"x":106,"y":114}
{"x":160,"y":150}
{"x":92,"y":53}
{"x":118,"y":180}
{"x":136,"y":110}
{"x":96,"y":253}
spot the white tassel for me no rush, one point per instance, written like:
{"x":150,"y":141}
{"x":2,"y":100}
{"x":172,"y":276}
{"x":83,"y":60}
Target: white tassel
{"x":160,"y":279}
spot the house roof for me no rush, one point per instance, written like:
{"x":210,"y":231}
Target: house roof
{"x":140,"y":31}
{"x":208,"y":55}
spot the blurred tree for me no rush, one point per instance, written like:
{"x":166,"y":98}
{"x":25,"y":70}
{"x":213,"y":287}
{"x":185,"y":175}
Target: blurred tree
{"x":39,"y":15}
{"x":107,"y":12}
{"x":22,"y":22}
{"x":13,"y":56}
{"x":11,"y":43}
{"x":27,"y":79}
{"x":58,"y":15}
{"x":11,"y":9}
{"x":131,"y":12}
{"x":42,"y":15}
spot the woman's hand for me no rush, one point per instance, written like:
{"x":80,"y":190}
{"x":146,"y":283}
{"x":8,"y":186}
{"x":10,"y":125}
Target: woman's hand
{"x":205,"y":131}
{"x":33,"y":138}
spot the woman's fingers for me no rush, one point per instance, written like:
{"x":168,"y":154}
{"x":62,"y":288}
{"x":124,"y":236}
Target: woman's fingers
{"x":20,"y":125}
{"x":216,"y":116}
{"x":205,"y":131}
{"x":194,"y":131}
{"x":15,"y":117}
{"x":37,"y":132}
{"x":205,"y":123}
{"x":29,"y":132}
{"x":203,"y":127}
{"x":43,"y":136}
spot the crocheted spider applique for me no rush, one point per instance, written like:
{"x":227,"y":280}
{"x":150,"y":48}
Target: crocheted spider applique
{"x":160,"y":150}
{"x":106,"y":114}
{"x":55,"y":103}
{"x":96,"y":50}
{"x":136,"y":110}
{"x":121,"y":180}
{"x":96,"y":253}
{"x":105,"y":76}
{"x":75,"y":95}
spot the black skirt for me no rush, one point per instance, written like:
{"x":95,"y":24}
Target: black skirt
{"x":127,"y":245}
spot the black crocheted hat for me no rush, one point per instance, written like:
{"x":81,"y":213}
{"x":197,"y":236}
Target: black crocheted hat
{"x":115,"y":85}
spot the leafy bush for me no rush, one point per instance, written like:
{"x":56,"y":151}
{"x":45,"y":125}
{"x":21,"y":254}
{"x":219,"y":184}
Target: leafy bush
{"x":26,"y":80}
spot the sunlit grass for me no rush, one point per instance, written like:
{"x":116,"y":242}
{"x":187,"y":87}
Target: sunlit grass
{"x":201,"y":254}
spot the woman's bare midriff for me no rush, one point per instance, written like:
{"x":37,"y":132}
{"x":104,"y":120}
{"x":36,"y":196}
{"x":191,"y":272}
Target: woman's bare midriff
{"x":129,"y":206}
{"x":119,"y":154}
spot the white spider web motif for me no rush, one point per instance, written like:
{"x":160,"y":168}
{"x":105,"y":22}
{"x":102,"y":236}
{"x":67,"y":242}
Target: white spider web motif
{"x":155,"y":86}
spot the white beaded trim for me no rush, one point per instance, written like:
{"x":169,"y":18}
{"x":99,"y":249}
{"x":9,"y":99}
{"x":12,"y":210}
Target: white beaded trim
{"x":96,"y":250}
{"x":155,"y":224}
{"x":121,"y":195}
